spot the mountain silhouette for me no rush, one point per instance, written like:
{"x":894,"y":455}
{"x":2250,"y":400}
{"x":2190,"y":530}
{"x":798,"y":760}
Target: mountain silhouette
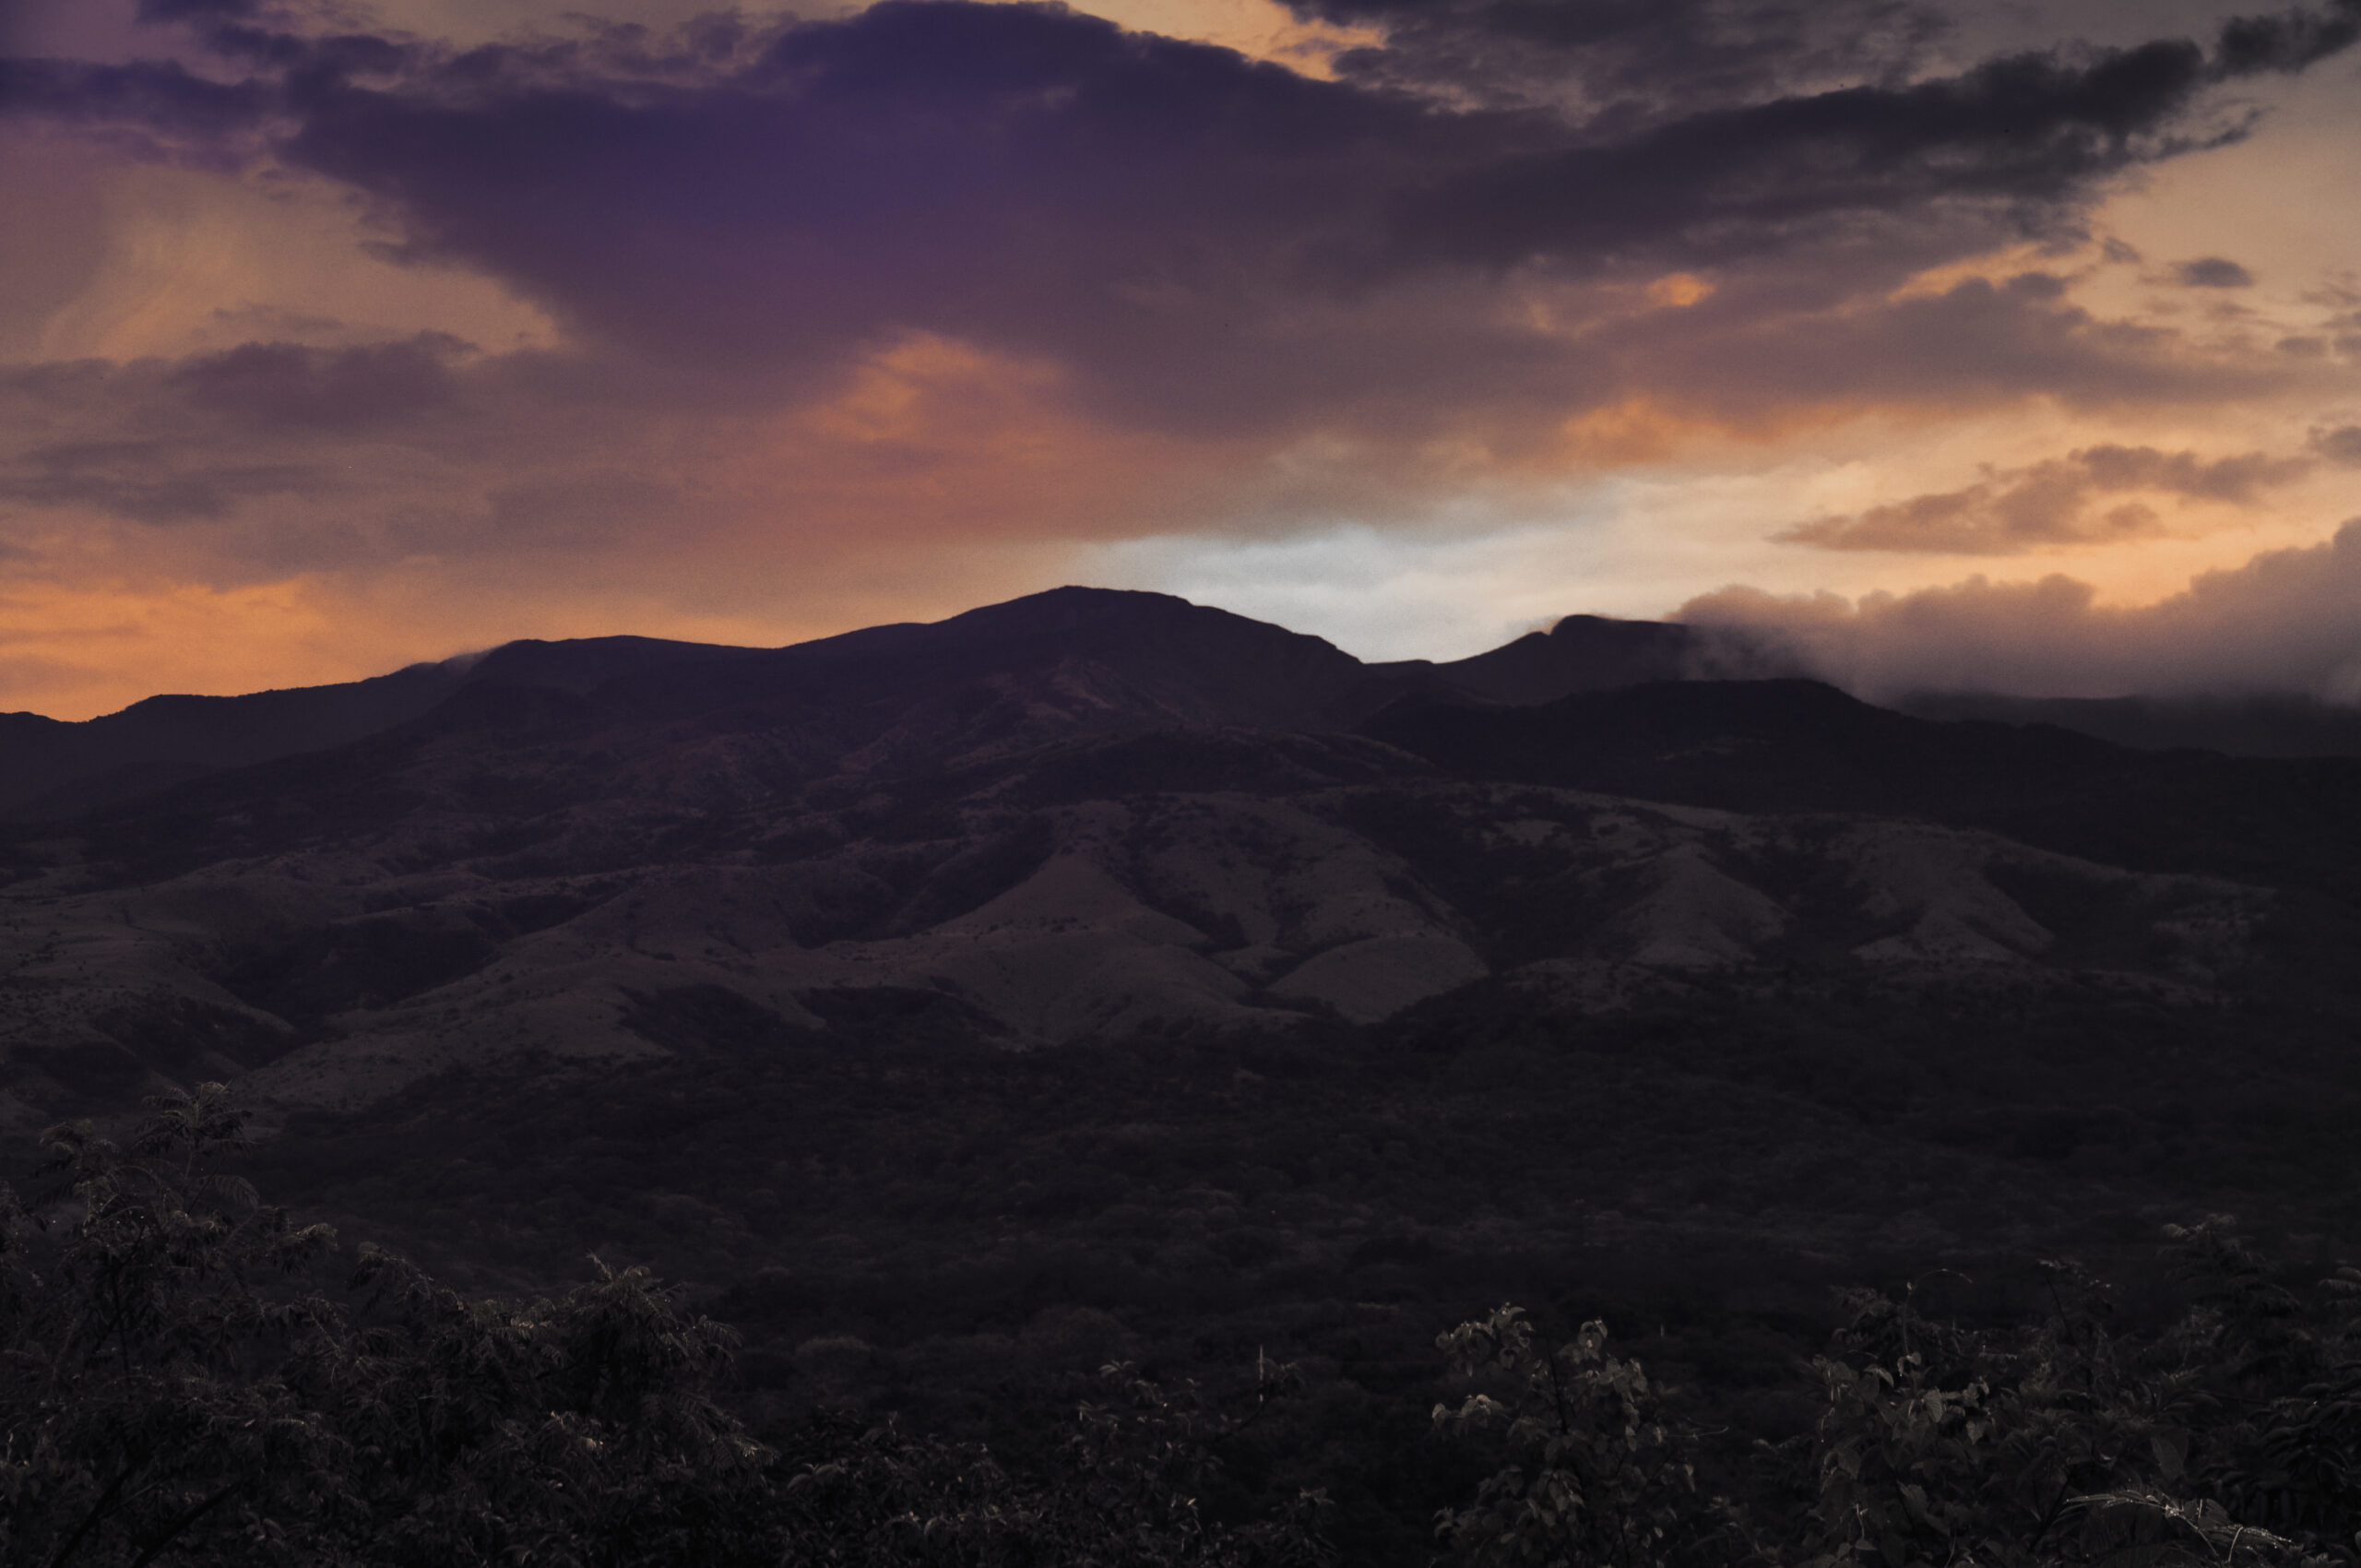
{"x":1072,"y":658}
{"x":1002,"y":676}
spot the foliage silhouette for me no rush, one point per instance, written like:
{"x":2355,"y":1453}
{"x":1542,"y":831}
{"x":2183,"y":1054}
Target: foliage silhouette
{"x":187,"y":1376}
{"x":2049,"y":1439}
{"x":181,"y":1383}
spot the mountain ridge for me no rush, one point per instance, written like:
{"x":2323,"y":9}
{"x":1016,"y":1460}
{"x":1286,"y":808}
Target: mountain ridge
{"x":51,"y":766}
{"x":1152,"y":656}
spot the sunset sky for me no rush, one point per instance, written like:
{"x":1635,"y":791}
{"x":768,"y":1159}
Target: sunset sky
{"x":1989,"y":345}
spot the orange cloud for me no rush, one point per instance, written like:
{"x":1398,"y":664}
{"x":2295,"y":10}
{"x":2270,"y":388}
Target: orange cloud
{"x":477,"y":500}
{"x":2285,"y":620}
{"x":2053,"y":503}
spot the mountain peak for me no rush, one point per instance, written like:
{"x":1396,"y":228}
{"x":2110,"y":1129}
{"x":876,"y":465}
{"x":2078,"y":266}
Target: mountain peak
{"x":1580,"y":653}
{"x":581,"y":665}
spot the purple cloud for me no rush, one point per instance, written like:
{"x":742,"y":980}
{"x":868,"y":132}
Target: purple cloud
{"x":368,"y":387}
{"x":2213,"y":272}
{"x":1201,"y":241}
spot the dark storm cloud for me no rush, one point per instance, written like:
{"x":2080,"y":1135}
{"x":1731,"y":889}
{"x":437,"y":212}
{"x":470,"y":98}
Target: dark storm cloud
{"x":1006,"y":134}
{"x":1201,"y":239}
{"x":2213,"y":272}
{"x":1636,"y":58}
{"x":2028,"y":132}
{"x":196,"y":10}
{"x":145,"y":481}
{"x":1631,"y":57}
{"x":2057,"y":502}
{"x":1794,"y":340}
{"x":194,"y":440}
{"x":162,"y":103}
{"x":364,"y":387}
{"x":255,"y":388}
{"x":2289,"y":41}
{"x":2341,"y":444}
{"x":1026,"y":178}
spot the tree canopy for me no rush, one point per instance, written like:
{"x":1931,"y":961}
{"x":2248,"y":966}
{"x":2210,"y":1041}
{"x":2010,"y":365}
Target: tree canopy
{"x":187,"y":1377}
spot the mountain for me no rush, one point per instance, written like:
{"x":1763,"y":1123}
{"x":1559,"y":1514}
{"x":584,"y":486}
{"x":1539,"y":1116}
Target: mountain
{"x":1071,"y":656}
{"x":1580,"y":653}
{"x":1026,"y":668}
{"x":48,"y":768}
{"x":1076,"y":816}
{"x":1790,"y":747}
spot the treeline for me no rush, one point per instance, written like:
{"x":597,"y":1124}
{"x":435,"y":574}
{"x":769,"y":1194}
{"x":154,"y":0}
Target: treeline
{"x":187,"y":1376}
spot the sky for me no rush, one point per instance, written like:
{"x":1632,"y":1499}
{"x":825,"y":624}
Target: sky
{"x":1974,"y":345}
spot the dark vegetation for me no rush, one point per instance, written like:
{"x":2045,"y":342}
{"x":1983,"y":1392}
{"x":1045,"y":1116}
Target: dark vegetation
{"x":907,"y":1223}
{"x":190,"y":1376}
{"x":1802,"y":746}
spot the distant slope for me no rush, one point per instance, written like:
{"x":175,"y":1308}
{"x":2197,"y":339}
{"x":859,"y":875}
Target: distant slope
{"x":1580,"y":653}
{"x":2254,"y":726}
{"x":1799,"y":745}
{"x":53,"y":769}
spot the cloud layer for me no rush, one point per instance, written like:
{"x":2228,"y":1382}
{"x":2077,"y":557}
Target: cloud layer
{"x":2070,"y":500}
{"x":2284,"y":622}
{"x":1196,"y":239}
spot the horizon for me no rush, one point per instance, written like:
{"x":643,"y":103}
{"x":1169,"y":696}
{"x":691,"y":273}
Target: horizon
{"x":476,"y":655}
{"x":1766,"y":658}
{"x":1944,"y":346}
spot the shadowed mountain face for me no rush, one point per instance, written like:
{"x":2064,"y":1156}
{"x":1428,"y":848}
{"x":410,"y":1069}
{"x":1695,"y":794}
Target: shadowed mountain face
{"x":1081,"y":816}
{"x":2254,"y":726}
{"x":1787,"y":746}
{"x":49,"y":769}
